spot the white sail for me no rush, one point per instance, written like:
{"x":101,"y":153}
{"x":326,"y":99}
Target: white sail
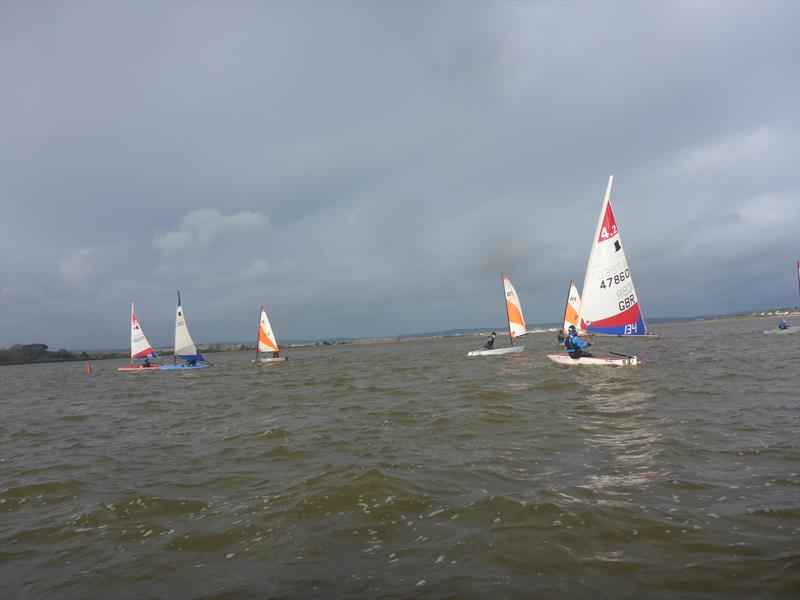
{"x":184,"y":346}
{"x":610,"y":305}
{"x":140,"y":347}
{"x":573,"y":307}
{"x":516,"y":322}
{"x":266,"y":337}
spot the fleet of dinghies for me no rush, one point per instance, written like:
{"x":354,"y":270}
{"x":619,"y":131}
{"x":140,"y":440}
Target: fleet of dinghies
{"x":609,"y":307}
{"x":184,"y":347}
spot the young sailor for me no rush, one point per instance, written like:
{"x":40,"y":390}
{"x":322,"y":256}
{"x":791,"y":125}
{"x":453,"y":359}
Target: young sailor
{"x":782,"y":324}
{"x":489,"y":345}
{"x":574,"y":344}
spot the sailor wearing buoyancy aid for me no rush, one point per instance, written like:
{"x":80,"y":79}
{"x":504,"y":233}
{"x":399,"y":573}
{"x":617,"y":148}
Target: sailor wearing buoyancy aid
{"x":574,"y":344}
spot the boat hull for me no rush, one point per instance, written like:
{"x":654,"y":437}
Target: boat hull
{"x":184,"y":367}
{"x":792,"y":329}
{"x":564,"y":359}
{"x":138,"y":368}
{"x":265,"y":361}
{"x":509,"y":350}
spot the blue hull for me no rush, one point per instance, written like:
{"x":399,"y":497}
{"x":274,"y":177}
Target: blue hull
{"x":184,"y":367}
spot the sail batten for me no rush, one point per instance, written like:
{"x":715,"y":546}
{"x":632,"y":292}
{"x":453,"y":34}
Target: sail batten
{"x":610,"y":305}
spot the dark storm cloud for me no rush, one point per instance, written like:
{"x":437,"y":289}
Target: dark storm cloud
{"x":370,"y":169}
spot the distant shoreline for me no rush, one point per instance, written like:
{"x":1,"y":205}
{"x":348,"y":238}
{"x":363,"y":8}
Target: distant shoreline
{"x":217,"y":348}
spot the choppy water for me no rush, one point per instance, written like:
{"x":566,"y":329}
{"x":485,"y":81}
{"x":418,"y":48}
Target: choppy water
{"x":406,"y":470}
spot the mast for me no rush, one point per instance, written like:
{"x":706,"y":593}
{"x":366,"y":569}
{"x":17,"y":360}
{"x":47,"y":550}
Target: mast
{"x":132,"y":313}
{"x":258,"y":331}
{"x":175,"y":345}
{"x":505,"y":304}
{"x":566,"y":306}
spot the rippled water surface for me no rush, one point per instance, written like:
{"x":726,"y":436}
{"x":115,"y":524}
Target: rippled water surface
{"x":403,"y":470}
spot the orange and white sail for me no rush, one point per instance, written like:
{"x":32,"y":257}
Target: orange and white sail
{"x":573,"y":307}
{"x":140,"y":347}
{"x":516,"y":322}
{"x":266,"y":337}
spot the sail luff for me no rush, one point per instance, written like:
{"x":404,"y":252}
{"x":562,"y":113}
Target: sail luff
{"x":258,"y":335}
{"x":505,"y":301}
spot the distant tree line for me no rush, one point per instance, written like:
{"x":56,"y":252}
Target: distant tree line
{"x":27,"y":353}
{"x":36,"y":353}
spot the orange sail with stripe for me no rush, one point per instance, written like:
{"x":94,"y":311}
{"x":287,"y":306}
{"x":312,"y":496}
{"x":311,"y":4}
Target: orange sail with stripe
{"x":266,"y":337}
{"x":516,"y":322}
{"x":573,"y":307}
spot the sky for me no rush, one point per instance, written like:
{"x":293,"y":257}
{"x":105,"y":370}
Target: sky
{"x":370,"y":169}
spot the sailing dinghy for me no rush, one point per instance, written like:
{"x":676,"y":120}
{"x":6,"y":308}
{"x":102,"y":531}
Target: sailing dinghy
{"x":622,"y":361}
{"x":140,"y":348}
{"x":610,"y":305}
{"x":184,"y":346}
{"x":266,"y":341}
{"x":789,"y":329}
{"x":516,"y":322}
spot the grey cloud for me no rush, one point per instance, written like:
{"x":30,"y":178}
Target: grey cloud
{"x":371,"y":168}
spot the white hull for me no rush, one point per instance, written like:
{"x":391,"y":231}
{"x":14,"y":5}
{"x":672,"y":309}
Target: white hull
{"x":270,"y":360}
{"x":793,"y":328}
{"x":564,"y":359}
{"x":508,"y":350}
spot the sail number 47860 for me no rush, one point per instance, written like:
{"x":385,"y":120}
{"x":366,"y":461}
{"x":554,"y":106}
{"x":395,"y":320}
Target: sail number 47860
{"x":608,"y":282}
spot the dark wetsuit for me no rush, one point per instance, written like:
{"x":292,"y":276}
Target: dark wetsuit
{"x":489,"y":345}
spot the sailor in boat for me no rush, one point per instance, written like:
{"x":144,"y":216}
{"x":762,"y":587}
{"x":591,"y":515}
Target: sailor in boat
{"x":146,"y":362}
{"x":276,"y":354}
{"x":489,"y":345}
{"x":782,"y":324}
{"x":574,"y":345}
